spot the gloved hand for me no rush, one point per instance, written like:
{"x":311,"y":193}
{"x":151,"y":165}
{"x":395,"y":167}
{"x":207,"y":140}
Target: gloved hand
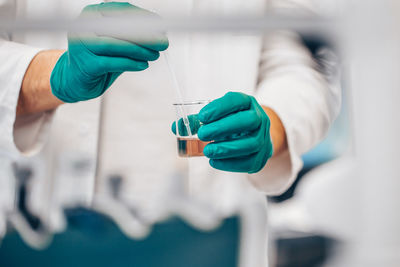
{"x":93,"y":62}
{"x":240,"y":131}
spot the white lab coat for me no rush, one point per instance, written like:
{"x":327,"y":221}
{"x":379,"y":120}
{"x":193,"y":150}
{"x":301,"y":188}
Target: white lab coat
{"x":136,"y":139}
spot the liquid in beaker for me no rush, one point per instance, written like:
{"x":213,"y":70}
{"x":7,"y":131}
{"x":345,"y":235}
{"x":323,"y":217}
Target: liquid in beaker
{"x":188,"y":144}
{"x":190,"y":147}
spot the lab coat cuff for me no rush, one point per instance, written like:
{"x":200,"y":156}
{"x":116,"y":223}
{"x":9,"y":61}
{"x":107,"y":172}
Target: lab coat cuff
{"x":281,"y":170}
{"x":14,"y":137}
{"x":30,"y":132}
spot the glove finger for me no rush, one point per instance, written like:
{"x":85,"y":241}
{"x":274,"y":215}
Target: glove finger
{"x":152,"y":40}
{"x":116,"y":64}
{"x":230,"y":103}
{"x":232,"y":149}
{"x":117,"y":9}
{"x":106,"y":46}
{"x":193,"y":122}
{"x":237,"y":123}
{"x":240,"y":164}
{"x":156,"y":41}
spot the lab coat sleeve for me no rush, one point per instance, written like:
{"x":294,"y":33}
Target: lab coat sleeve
{"x":291,"y":84}
{"x":23,"y":134}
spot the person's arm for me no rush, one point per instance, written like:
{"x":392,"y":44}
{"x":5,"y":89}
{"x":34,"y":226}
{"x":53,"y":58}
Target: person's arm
{"x":292,"y":85}
{"x":15,"y":60}
{"x":35,"y":95}
{"x":90,"y":65}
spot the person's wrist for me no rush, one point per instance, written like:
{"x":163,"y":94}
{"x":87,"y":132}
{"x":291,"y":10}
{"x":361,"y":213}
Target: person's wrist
{"x":35,"y":94}
{"x":277,"y":132}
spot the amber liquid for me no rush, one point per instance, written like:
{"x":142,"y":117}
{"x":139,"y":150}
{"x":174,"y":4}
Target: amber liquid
{"x":190,"y":147}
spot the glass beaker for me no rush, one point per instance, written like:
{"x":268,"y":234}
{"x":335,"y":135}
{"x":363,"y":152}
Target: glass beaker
{"x":189,"y":145}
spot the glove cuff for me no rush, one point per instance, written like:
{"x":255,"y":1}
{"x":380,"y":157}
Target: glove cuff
{"x":57,"y":80}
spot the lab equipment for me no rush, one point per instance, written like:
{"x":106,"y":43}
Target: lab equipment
{"x":115,"y":236}
{"x":94,"y":239}
{"x":295,"y":248}
{"x":92,"y":63}
{"x":33,"y":229}
{"x":188,"y":143}
{"x":239,"y":127}
{"x":23,"y":176}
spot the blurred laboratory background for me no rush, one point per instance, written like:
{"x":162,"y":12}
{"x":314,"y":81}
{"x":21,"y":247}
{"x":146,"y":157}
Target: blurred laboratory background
{"x":100,"y":182}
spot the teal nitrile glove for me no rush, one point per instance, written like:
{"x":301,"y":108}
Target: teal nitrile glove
{"x":240,"y":131}
{"x":93,"y":62}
